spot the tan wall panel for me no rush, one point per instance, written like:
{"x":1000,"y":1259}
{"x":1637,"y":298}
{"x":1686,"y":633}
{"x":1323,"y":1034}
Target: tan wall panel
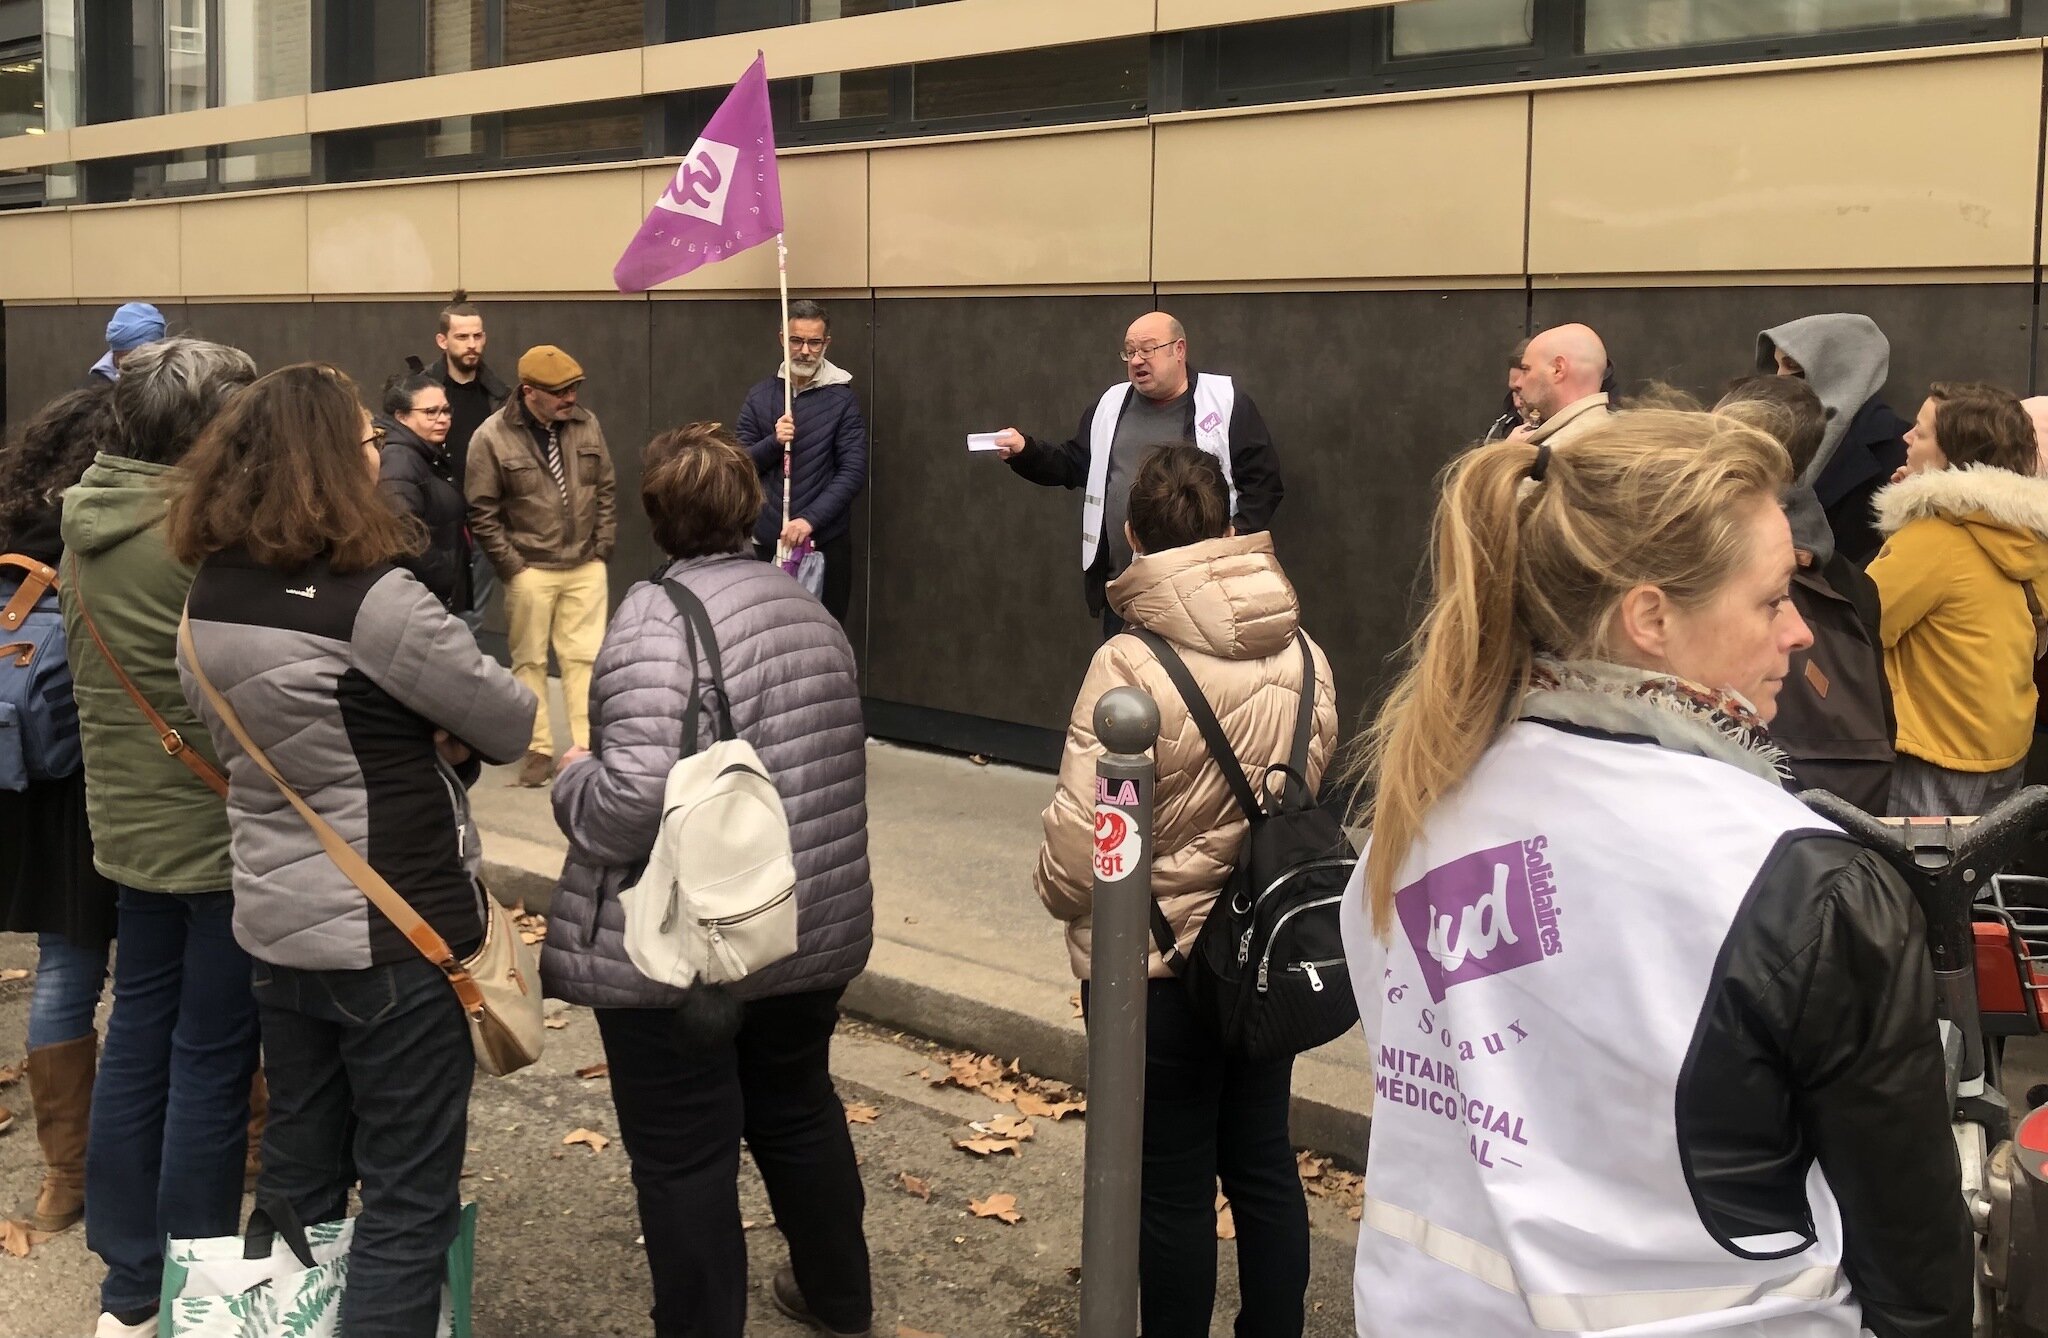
{"x":544,"y":83}
{"x":384,"y":239}
{"x":557,"y":232}
{"x":825,"y":212}
{"x":1176,"y":15}
{"x":898,"y":37}
{"x":1060,"y":209}
{"x":1926,"y":164}
{"x":35,"y":150}
{"x":191,"y":130}
{"x":126,"y":252}
{"x":1257,"y":197}
{"x":250,"y":247}
{"x":35,"y":255}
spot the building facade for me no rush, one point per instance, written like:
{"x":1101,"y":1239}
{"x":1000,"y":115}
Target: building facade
{"x":1355,"y":209}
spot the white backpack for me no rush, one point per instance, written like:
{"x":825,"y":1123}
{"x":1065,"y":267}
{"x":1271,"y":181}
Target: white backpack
{"x":717,"y":900}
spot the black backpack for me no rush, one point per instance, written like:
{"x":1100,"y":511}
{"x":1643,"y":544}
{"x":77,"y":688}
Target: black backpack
{"x":1268,"y":970}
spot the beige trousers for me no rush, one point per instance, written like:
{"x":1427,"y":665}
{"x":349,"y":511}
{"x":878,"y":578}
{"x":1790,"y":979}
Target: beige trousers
{"x":564,"y":610}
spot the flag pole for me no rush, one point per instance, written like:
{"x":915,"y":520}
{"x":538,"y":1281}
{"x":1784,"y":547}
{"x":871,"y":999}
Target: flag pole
{"x":788,"y":388}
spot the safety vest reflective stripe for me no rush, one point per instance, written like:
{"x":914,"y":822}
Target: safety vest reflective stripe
{"x":1591,"y":1311}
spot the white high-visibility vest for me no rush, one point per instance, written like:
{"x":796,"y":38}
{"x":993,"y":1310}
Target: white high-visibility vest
{"x":1215,"y":399}
{"x":1556,"y":934}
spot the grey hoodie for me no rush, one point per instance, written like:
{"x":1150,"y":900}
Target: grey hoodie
{"x":1846,"y":359}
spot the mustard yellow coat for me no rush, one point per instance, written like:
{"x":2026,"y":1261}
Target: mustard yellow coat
{"x":1230,"y":611}
{"x":1958,"y":636}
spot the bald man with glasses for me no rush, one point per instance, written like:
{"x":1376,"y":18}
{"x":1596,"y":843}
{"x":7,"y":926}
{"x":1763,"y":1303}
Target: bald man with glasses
{"x":1162,"y":400}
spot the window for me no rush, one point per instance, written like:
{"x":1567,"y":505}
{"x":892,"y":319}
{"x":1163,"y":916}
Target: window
{"x":21,"y":90}
{"x":1440,"y":27}
{"x":1107,"y":75}
{"x":1646,"y":25}
{"x":184,"y":48}
{"x":1263,"y":55}
{"x":824,"y":11}
{"x":456,"y":37}
{"x":857,"y":95}
{"x":587,"y":132}
{"x":551,"y":29}
{"x":266,"y":50}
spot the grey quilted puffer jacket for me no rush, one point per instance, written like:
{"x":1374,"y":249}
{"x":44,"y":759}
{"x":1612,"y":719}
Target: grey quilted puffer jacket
{"x":795,"y":698}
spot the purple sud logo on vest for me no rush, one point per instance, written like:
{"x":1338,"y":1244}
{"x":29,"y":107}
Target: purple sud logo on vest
{"x":1482,"y":914}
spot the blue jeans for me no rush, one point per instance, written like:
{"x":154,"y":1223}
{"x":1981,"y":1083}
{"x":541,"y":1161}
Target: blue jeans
{"x":369,"y":1078}
{"x":68,"y":985}
{"x":170,"y":1108}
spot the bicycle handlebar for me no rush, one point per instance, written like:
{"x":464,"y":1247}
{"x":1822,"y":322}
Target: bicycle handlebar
{"x":1932,"y":852}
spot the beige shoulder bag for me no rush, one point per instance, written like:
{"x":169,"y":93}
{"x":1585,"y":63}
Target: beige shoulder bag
{"x":498,"y":985}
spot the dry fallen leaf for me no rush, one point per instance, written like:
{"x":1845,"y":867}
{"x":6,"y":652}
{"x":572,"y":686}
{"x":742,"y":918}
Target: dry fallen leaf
{"x":14,"y":1239}
{"x":1226,"y":1221}
{"x":859,"y":1112}
{"x":1075,"y":999}
{"x":914,"y":1185}
{"x":528,"y":937}
{"x":1002,"y":1207}
{"x":590,"y":1138}
{"x":986,"y":1146}
{"x":598,"y":1070}
{"x":556,"y":1023}
{"x":905,"y":1331}
{"x":9,"y":1076}
{"x":13,"y":973}
{"x":1008,"y":1126}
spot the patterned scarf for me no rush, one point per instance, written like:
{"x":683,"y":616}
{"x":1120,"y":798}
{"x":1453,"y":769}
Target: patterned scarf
{"x":1675,"y":712}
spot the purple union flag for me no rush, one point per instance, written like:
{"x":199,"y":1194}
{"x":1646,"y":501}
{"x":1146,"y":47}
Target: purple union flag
{"x":724,"y":198}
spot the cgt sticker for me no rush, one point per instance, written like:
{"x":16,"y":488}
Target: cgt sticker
{"x":1117,"y":840}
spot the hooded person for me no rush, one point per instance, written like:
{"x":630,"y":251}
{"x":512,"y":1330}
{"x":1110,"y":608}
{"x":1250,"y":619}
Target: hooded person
{"x":1835,"y":720}
{"x":133,"y":325}
{"x":1960,"y":576}
{"x":1845,"y":358}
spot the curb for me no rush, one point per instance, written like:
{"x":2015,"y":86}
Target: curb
{"x":958,"y":1002}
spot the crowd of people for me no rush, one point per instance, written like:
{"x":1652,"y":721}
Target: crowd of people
{"x":1649,"y":624}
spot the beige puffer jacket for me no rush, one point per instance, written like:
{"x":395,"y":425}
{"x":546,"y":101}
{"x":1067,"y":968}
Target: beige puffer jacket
{"x":1230,"y":611}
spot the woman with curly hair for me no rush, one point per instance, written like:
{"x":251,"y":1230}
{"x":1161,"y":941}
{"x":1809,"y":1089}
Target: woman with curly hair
{"x":48,"y":885}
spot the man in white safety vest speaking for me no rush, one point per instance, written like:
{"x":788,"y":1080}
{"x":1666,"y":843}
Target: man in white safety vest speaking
{"x":1164,"y":401}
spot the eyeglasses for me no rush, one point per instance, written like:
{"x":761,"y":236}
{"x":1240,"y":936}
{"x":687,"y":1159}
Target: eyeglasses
{"x":806,"y":344}
{"x":376,"y":437}
{"x":438,"y":411}
{"x":1145,"y":351}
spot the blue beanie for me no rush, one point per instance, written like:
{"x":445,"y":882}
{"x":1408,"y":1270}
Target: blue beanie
{"x":134,"y":324}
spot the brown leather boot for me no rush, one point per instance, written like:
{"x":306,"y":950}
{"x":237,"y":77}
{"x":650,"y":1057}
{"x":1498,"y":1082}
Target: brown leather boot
{"x":60,"y":1085}
{"x":259,"y":1116}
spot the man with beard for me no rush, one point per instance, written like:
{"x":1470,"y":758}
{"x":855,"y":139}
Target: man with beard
{"x":826,"y":442}
{"x":1161,"y":401}
{"x":474,"y":394}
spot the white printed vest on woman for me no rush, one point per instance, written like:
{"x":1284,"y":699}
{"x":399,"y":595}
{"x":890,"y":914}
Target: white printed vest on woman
{"x":1557,"y":931}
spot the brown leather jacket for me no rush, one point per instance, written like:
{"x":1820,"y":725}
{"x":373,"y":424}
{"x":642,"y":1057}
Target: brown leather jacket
{"x":1230,"y":611}
{"x":516,"y":513}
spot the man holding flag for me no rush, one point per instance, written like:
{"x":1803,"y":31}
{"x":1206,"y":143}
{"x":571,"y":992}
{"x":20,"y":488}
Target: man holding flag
{"x":823,"y":463}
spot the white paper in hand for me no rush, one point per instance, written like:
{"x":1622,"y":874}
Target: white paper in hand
{"x":982,"y":441}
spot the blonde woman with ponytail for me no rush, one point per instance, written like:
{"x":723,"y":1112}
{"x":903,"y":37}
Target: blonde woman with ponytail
{"x":1655,"y":1046}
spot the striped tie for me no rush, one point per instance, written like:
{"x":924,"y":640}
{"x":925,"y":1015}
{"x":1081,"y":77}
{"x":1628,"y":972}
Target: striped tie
{"x":555,"y":463}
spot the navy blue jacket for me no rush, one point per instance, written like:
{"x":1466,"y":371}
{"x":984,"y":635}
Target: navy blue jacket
{"x":829,"y":456}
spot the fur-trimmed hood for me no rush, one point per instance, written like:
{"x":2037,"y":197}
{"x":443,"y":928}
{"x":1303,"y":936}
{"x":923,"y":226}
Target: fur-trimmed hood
{"x":2006,"y":513}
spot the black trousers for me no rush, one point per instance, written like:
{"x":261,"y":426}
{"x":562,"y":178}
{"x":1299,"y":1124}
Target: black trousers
{"x":838,"y":593}
{"x":1209,"y":1116}
{"x":682,"y":1114}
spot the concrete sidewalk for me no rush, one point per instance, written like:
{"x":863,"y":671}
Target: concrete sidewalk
{"x":964,"y":953}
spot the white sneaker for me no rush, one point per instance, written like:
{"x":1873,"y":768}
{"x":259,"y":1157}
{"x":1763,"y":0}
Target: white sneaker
{"x":111,"y":1327}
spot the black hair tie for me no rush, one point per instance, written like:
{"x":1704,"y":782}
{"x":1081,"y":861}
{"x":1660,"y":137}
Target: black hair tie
{"x":1541,"y":464}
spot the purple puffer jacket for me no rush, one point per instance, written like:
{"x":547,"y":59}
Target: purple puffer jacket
{"x":794,"y":697}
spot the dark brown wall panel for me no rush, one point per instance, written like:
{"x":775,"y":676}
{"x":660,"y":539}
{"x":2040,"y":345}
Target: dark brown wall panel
{"x":1367,"y":395}
{"x":50,"y":349}
{"x":976,"y":603}
{"x":1700,"y":338}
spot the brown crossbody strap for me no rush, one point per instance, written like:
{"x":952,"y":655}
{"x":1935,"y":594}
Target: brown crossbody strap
{"x":41,"y":577}
{"x":173,"y":742}
{"x":367,"y":880}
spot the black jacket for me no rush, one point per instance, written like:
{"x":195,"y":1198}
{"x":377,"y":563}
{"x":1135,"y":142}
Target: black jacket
{"x":1254,"y":470}
{"x":420,"y":480}
{"x":463,"y":428}
{"x":1835,"y":719}
{"x":1872,"y":448}
{"x":1817,"y":1044}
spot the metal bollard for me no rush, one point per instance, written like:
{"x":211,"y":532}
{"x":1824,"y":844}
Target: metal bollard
{"x":1127,"y":722}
